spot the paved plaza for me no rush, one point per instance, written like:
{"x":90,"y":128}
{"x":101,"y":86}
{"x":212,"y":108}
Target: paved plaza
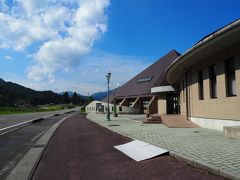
{"x":81,"y":149}
{"x":204,"y":146}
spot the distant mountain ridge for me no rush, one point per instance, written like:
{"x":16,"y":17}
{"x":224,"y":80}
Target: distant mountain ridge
{"x":12,"y":94}
{"x":70,"y":93}
{"x":100,"y":95}
{"x":2,"y":81}
{"x":96,"y":96}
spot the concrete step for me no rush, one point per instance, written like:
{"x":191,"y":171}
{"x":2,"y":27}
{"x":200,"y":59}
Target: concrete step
{"x":231,"y":132}
{"x":153,"y":119}
{"x":152,"y":122}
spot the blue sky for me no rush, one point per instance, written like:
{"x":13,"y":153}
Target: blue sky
{"x":71,"y":45}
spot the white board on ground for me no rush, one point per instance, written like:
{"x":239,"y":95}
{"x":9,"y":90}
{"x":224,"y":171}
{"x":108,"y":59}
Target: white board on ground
{"x":139,"y":150}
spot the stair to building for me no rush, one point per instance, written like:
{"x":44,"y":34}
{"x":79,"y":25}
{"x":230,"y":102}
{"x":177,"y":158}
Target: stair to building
{"x":177,"y":121}
{"x":153,"y":119}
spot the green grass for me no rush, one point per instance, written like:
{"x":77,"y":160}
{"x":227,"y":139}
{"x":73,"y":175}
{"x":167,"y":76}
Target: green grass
{"x":17,"y":110}
{"x":12,"y":110}
{"x":52,"y":108}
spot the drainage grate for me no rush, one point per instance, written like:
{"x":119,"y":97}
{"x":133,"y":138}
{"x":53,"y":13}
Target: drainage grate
{"x":114,"y":125}
{"x":196,"y":131}
{"x":38,"y":146}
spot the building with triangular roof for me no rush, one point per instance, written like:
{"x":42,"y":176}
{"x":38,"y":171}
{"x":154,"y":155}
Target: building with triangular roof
{"x":143,"y":90}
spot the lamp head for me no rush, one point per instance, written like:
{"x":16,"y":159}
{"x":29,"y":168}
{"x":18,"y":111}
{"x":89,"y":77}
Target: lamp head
{"x":108,"y":75}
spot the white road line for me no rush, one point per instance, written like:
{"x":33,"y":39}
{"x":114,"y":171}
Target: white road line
{"x":14,"y":129}
{"x":15,"y":125}
{"x":2,"y":118}
{"x":22,"y":124}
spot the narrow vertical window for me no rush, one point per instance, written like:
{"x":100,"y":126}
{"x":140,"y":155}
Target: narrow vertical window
{"x":200,"y":84}
{"x":230,"y":77}
{"x":213,"y":81}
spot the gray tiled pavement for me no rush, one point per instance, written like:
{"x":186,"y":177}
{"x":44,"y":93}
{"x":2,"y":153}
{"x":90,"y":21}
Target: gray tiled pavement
{"x":199,"y":144}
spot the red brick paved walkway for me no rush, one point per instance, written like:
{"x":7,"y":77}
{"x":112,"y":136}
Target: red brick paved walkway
{"x":81,"y":149}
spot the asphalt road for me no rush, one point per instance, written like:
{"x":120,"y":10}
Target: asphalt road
{"x":81,"y":149}
{"x":9,"y":120}
{"x":14,"y":145}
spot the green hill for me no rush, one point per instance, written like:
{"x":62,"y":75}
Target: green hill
{"x":12,"y":94}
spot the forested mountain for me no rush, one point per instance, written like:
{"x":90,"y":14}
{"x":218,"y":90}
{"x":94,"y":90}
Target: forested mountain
{"x":70,"y":94}
{"x":100,"y":95}
{"x":12,"y":94}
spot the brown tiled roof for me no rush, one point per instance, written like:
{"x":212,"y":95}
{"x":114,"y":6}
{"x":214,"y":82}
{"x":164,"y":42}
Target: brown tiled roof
{"x":157,"y":71}
{"x":111,"y":96}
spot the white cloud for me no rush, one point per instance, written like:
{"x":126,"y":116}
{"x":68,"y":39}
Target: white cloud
{"x":59,"y":36}
{"x":61,"y":31}
{"x":91,"y":77}
{"x":122,"y":67}
{"x":8,"y":58}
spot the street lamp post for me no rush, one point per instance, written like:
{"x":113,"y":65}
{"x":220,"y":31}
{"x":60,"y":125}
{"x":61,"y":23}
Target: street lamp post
{"x":108,"y":80}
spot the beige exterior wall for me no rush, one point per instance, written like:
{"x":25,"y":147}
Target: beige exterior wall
{"x":182,"y":97}
{"x":222,"y":107}
{"x":91,"y":108}
{"x":161,"y":103}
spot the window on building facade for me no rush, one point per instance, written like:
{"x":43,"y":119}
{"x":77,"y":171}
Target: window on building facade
{"x":213,"y":81}
{"x":120,"y":108}
{"x":200,"y":85}
{"x":145,"y":104}
{"x":145,"y":79}
{"x":130,"y":103}
{"x":230,"y":77}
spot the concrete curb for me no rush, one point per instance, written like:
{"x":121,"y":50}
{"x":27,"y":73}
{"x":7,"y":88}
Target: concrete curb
{"x":205,"y":166}
{"x":27,"y":165}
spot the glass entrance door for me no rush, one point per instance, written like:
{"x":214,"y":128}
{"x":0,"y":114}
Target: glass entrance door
{"x":172,"y":103}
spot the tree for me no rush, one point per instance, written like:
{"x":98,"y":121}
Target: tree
{"x":80,"y":100}
{"x":66,"y":98}
{"x":90,"y":99}
{"x":74,"y":98}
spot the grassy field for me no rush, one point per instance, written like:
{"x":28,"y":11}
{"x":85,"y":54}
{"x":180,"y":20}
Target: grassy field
{"x":16,"y":110}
